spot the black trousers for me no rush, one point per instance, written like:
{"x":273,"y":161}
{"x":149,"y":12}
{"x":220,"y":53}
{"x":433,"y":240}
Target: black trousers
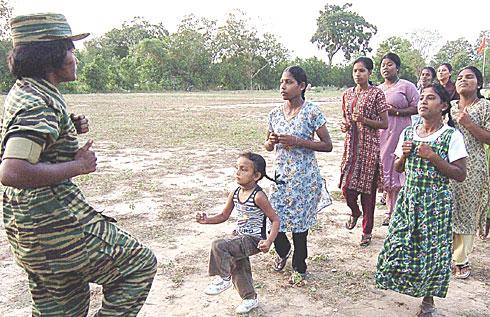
{"x":300,"y":252}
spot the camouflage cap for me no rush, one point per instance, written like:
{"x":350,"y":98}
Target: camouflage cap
{"x":42,"y":27}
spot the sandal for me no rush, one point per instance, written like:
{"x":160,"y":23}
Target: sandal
{"x":351,"y":223}
{"x":386,"y":221}
{"x":280,"y":263}
{"x":365,"y":240}
{"x":459,"y":271}
{"x":382,"y":201}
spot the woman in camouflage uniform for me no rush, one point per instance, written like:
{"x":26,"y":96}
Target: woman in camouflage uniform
{"x":55,"y":235}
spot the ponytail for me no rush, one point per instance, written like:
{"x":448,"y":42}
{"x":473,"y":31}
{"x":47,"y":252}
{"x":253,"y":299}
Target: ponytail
{"x":275,"y":179}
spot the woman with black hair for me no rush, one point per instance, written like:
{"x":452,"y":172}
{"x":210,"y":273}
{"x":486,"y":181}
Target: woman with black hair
{"x":471,"y":114}
{"x":301,"y":191}
{"x":364,"y":113}
{"x":416,"y":256}
{"x":402,"y":97}
{"x":61,"y":241}
{"x":444,"y":77}
{"x":426,"y":77}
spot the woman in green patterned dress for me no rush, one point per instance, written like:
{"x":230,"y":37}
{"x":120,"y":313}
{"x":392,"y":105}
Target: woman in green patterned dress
{"x":416,"y":256}
{"x":471,"y":114}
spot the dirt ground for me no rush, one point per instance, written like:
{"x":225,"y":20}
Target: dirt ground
{"x":163,"y":157}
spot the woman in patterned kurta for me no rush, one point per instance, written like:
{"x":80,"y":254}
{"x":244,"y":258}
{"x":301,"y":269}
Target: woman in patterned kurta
{"x":416,"y":256}
{"x":472,"y":117}
{"x":402,"y":97}
{"x":55,"y":235}
{"x":484,"y":233}
{"x":364,"y":112}
{"x":301,"y":190}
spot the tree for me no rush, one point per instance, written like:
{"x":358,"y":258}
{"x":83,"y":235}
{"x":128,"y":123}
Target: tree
{"x":6,"y":80}
{"x":339,"y":29}
{"x":104,"y":64}
{"x":271,"y":53}
{"x":411,"y":59}
{"x":5,"y":15}
{"x":118,"y":41}
{"x":425,"y":41}
{"x":191,"y":53}
{"x":242,"y":56}
{"x":459,"y":53}
{"x":149,"y":59}
{"x":95,"y":75}
{"x":315,"y":68}
{"x":237,"y":43}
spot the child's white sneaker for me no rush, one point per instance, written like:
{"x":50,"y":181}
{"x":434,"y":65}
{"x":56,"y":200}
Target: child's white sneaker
{"x":247,"y":305}
{"x":218,"y":285}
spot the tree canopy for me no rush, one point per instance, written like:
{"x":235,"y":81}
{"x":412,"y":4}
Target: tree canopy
{"x":202,"y":54}
{"x":411,"y":59}
{"x":339,"y":29}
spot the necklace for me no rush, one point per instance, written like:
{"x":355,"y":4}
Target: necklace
{"x":470,"y":105}
{"x":291,"y":113}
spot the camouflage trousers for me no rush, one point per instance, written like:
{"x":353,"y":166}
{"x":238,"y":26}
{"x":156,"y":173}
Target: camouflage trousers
{"x":124,"y":267}
{"x":230,"y":257}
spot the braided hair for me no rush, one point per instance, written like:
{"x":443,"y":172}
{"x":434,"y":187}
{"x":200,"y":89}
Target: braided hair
{"x":259,"y":165}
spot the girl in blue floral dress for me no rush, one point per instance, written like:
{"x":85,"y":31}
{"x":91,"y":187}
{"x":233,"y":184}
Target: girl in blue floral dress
{"x":416,"y":257}
{"x":301,"y":190}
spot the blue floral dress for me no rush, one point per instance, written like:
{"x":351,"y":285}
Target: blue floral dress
{"x":303,"y":191}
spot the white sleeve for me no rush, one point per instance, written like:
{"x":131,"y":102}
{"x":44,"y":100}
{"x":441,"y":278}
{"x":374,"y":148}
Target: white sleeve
{"x":399,"y":150}
{"x":457,"y":148}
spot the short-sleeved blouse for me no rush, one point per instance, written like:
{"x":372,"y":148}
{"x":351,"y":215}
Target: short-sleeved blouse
{"x":302,"y":190}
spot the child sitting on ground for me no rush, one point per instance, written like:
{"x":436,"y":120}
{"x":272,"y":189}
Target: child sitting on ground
{"x":229,"y":258}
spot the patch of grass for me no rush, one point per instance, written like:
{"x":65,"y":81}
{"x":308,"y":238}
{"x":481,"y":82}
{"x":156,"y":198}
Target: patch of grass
{"x":320,"y":258}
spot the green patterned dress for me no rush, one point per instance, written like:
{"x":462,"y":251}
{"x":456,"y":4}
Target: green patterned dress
{"x":416,"y":256}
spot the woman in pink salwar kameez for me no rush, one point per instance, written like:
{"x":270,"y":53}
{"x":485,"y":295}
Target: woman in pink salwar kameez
{"x":402,"y":98}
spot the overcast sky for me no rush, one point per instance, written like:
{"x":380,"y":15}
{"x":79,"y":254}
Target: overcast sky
{"x":294,"y":22}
